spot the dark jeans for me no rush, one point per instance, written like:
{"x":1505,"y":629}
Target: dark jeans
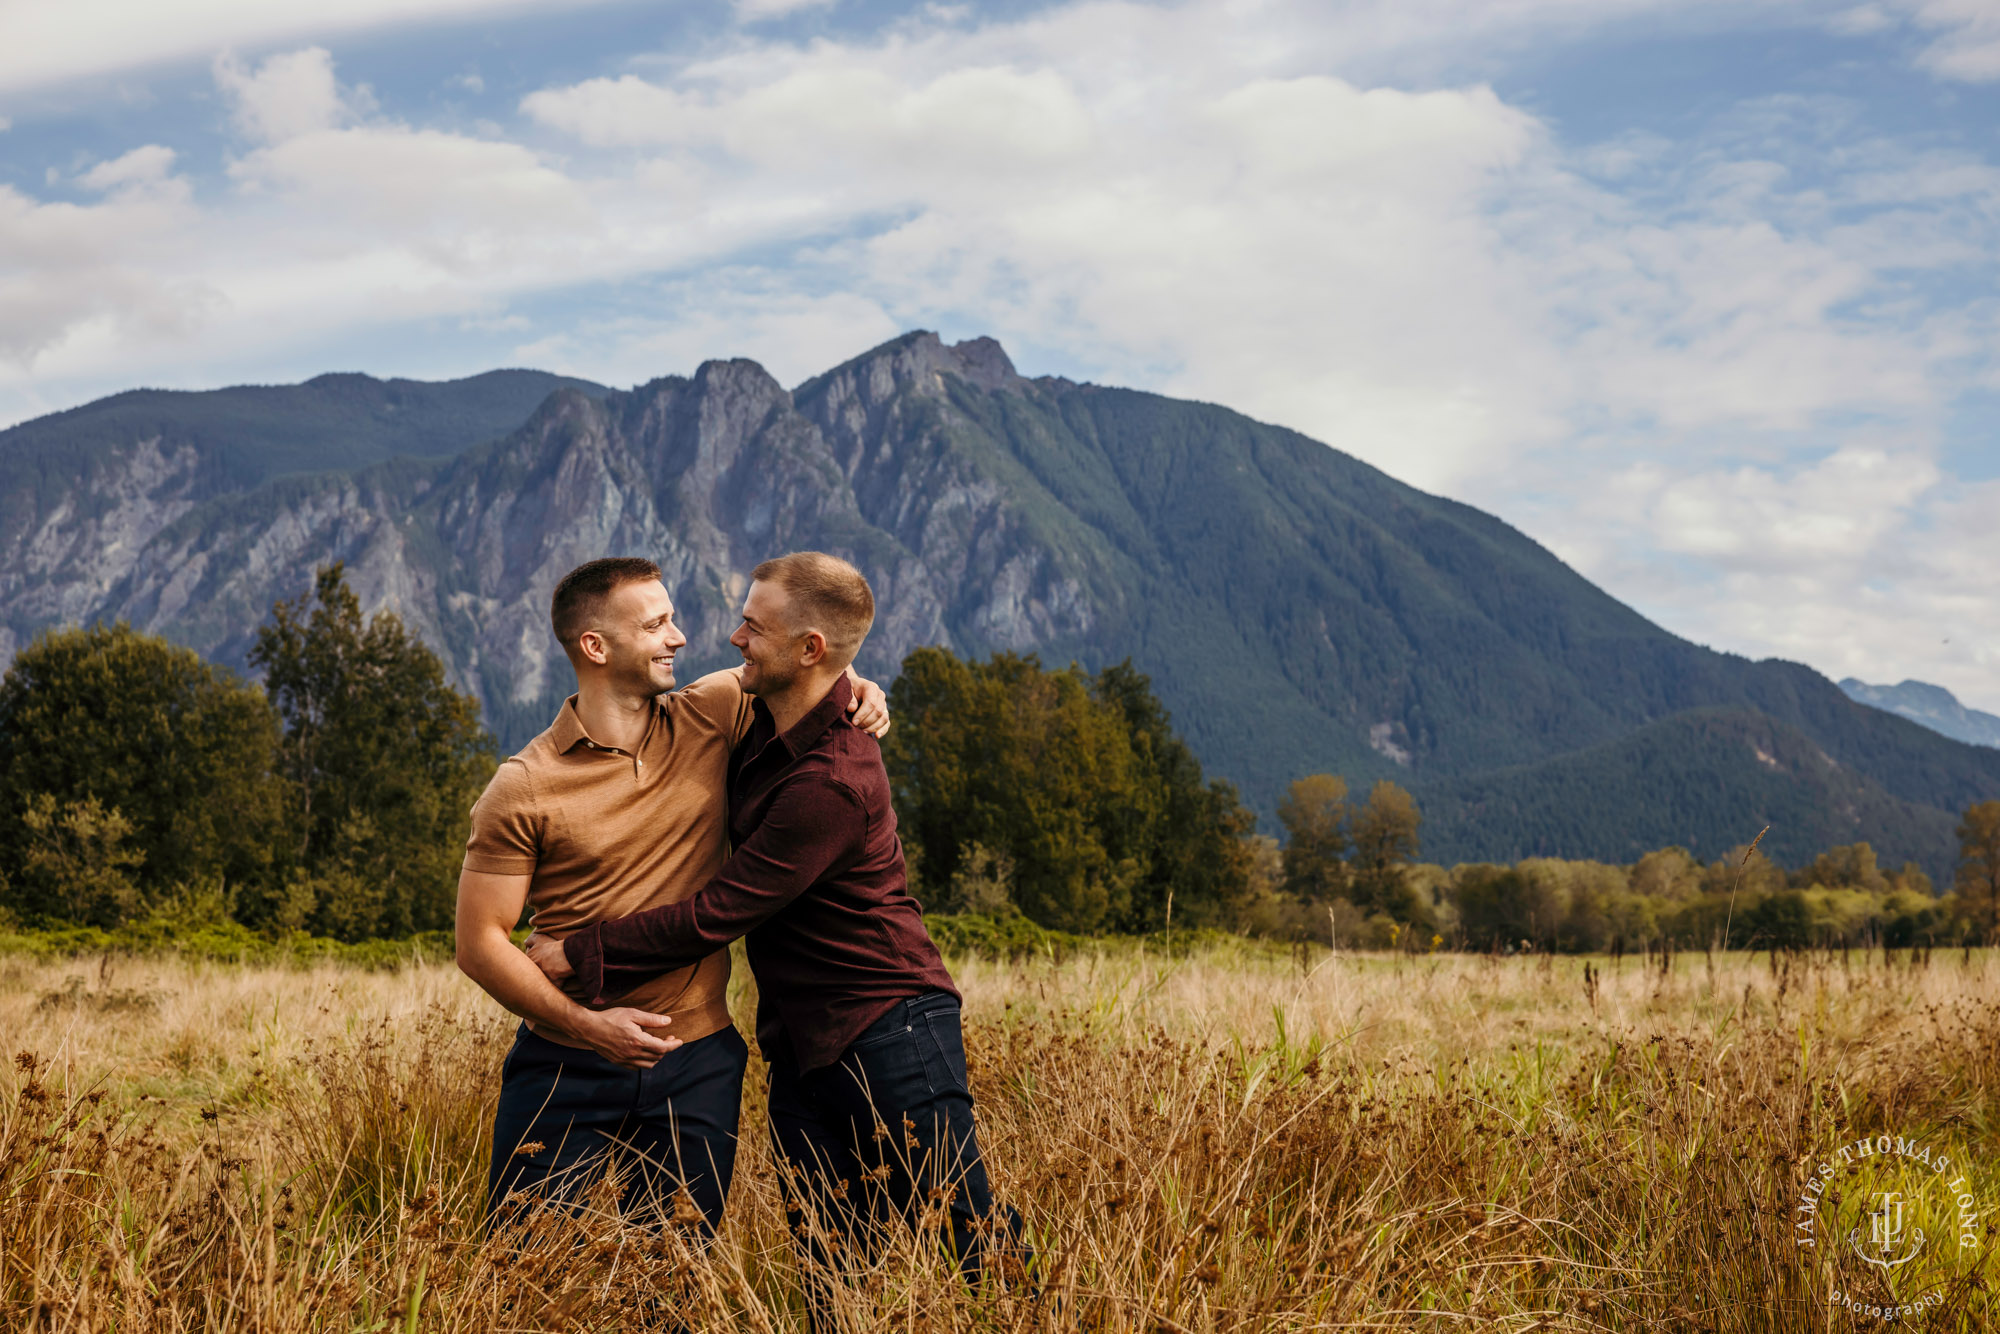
{"x":883,"y":1130}
{"x":565,"y":1112}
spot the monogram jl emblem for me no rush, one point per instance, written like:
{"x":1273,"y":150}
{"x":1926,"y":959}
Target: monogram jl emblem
{"x":1885,"y":1228}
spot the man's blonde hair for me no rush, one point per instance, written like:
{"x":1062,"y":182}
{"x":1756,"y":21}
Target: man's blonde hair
{"x":828,"y":595}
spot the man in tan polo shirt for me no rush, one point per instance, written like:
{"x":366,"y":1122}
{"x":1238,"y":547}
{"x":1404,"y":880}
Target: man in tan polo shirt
{"x":618,"y":806}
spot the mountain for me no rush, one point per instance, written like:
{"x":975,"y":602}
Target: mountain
{"x":1930,"y":706}
{"x":1683,"y":780}
{"x":83,"y":492}
{"x":1298,"y":610}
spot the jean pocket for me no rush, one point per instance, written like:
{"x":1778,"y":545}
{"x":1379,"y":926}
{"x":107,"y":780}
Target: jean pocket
{"x":879,"y":1033}
{"x":891,"y":1068}
{"x":944,"y":1052}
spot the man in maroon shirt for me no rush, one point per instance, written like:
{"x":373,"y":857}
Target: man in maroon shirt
{"x":856,"y":1014}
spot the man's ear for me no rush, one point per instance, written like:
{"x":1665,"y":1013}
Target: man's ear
{"x":812,"y":648}
{"x":592,"y":646}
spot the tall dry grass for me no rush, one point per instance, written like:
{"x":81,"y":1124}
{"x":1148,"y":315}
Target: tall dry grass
{"x":1242,"y":1139}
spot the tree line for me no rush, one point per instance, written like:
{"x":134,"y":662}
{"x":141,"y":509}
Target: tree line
{"x":331,"y":797}
{"x":1066,"y":797}
{"x":135,"y":776}
{"x":1350,"y":872}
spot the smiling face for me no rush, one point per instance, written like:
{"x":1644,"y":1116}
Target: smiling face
{"x":773,"y":653}
{"x":634,"y":639}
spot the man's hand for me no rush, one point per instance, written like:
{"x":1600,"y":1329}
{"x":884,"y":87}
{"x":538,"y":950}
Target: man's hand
{"x":870,"y":709}
{"x":622,"y":1036}
{"x":488,"y":907}
{"x":549,"y":957}
{"x":619,"y":1035}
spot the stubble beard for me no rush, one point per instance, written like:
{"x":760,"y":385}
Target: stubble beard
{"x":759,"y":679}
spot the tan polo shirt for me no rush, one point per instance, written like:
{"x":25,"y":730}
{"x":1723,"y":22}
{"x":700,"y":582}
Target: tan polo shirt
{"x":606,"y":832}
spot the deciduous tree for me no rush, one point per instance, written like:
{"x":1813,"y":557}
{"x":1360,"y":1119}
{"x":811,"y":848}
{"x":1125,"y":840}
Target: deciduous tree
{"x":1079,"y":782}
{"x":1385,"y":842}
{"x":106,"y":729}
{"x":1314,"y":813}
{"x":1979,"y":867}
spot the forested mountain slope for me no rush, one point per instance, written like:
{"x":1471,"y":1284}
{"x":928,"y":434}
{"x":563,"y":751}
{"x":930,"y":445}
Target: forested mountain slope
{"x":1297,"y":609}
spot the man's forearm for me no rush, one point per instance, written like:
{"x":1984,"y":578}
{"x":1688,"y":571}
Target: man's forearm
{"x":507,"y":975}
{"x":612,"y":957}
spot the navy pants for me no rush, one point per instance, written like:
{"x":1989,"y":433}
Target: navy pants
{"x":565,"y":1113}
{"x":870,"y":1139}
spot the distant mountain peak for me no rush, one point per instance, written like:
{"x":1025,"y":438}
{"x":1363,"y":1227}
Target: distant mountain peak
{"x":1929,"y":706}
{"x":917,"y":359}
{"x":986,"y":363}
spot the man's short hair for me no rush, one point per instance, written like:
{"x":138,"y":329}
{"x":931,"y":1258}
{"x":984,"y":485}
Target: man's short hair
{"x":827,"y":595}
{"x":579,"y":597}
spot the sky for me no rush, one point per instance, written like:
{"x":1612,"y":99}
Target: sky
{"x":1702,"y":296}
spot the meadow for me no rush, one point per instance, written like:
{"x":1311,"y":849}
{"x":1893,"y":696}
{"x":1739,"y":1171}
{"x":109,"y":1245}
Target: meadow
{"x":1232,"y":1137}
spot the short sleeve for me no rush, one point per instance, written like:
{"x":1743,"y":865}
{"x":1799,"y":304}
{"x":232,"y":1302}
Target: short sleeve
{"x":719,"y":700}
{"x":506,"y":828}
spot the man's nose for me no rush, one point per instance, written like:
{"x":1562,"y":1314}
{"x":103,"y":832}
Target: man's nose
{"x":737,"y":637}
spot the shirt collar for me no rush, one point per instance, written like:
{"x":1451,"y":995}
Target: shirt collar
{"x":806,"y":732}
{"x":568,"y":728}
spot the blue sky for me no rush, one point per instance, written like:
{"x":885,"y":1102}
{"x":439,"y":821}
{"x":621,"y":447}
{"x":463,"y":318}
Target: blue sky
{"x":1702,"y":296}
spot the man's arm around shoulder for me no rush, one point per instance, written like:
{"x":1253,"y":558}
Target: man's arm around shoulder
{"x":488,"y":906}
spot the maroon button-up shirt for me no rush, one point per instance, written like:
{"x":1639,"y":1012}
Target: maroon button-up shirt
{"x":816,"y":883}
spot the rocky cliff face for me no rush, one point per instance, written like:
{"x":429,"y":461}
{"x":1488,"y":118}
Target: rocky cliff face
{"x":707,"y":475}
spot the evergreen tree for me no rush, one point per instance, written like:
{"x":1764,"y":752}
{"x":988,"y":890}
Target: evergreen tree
{"x":1191,"y":836}
{"x":382,"y":760}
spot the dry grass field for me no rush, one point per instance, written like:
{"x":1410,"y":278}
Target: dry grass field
{"x":1241,"y":1139}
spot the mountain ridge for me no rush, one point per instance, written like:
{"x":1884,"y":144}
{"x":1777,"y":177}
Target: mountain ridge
{"x":1297,"y":609}
{"x":1928,"y":706}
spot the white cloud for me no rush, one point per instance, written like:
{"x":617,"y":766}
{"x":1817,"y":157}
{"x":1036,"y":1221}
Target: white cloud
{"x":1871,"y":562}
{"x":1968,"y":43}
{"x":770,"y":9}
{"x":288,"y":95}
{"x":454,"y":191}
{"x":615,"y":112}
{"x":1861,"y":21}
{"x":44,"y":43}
{"x":1434,"y":288}
{"x":144,"y":167}
{"x":1837,"y":512}
{"x":106,"y":274}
